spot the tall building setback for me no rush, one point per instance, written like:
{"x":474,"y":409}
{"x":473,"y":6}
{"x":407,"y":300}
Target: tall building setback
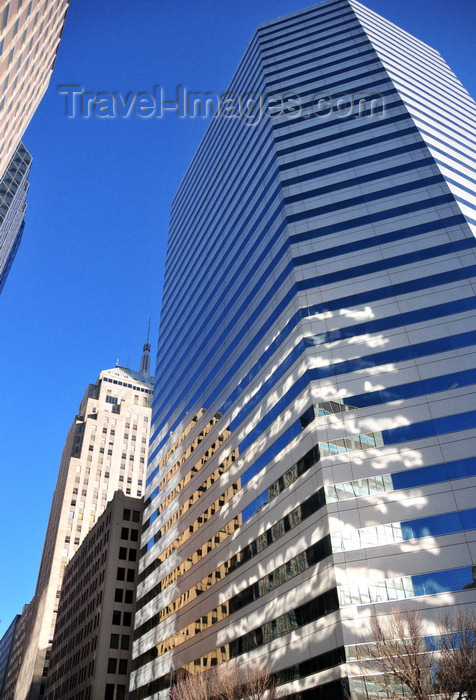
{"x":105,"y":451}
{"x":13,"y":190}
{"x":30,"y":32}
{"x":91,"y":651}
{"x":313,"y":438}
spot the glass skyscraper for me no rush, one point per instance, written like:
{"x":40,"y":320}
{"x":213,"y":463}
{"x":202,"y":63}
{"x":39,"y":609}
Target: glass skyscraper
{"x":13,"y":190}
{"x":312,"y":448}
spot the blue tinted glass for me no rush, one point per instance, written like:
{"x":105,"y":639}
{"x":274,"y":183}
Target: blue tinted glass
{"x":254,"y":506}
{"x":273,"y":412}
{"x":443,"y":581}
{"x":369,"y":177}
{"x":353,"y":201}
{"x":439,"y":426}
{"x":396,"y":289}
{"x":399,"y":260}
{"x":462,"y":468}
{"x":312,"y":68}
{"x":362,"y":298}
{"x":353,"y":147}
{"x":331,"y":170}
{"x":468,"y":519}
{"x":324,"y":61}
{"x":462,"y":421}
{"x":422,"y":476}
{"x":152,"y":475}
{"x":395,"y":321}
{"x":432,"y":526}
{"x":271,"y":452}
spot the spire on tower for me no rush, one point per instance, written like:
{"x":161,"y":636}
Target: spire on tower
{"x":145,"y":361}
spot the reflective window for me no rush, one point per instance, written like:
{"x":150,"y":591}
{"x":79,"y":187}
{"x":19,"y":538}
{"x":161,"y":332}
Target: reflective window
{"x":421,"y":476}
{"x":451,"y":580}
{"x":276,"y":578}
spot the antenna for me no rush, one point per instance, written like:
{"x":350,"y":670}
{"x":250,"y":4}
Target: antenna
{"x":145,"y":361}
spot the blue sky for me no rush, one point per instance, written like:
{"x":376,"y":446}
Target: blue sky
{"x":89,"y":271}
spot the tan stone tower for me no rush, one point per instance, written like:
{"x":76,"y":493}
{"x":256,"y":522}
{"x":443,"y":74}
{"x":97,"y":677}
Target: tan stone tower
{"x":105,"y":451}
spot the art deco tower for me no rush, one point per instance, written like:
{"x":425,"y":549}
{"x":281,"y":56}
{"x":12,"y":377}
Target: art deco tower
{"x":106,"y":450}
{"x":312,"y":449}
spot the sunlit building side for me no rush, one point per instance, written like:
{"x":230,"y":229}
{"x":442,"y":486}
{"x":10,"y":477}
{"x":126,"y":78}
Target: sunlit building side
{"x":312,"y":447}
{"x":30,"y":32}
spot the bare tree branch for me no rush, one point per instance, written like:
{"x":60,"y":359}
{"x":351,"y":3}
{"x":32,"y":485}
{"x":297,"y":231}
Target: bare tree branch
{"x":456,"y":656}
{"x":405,"y":662}
{"x":397,"y":657}
{"x":247,"y":681}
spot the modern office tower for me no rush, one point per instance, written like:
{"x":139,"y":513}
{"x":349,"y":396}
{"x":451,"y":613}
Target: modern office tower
{"x":312,"y":449}
{"x":13,"y":190}
{"x":91,"y":651}
{"x":30,"y":32}
{"x":106,"y":450}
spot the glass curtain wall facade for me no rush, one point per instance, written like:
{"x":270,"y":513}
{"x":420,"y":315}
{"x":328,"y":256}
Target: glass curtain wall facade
{"x":13,"y":191}
{"x":312,"y":447}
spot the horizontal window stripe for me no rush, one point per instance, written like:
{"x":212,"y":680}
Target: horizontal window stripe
{"x":368,"y":177}
{"x":435,"y":525}
{"x":406,"y":586}
{"x":402,"y":354}
{"x":369,"y":398}
{"x":387,"y":264}
{"x":320,"y":62}
{"x":287,"y":47}
{"x":338,"y":15}
{"x":353,"y":65}
{"x":324,"y":122}
{"x":430,"y":428}
{"x":451,"y":166}
{"x":348,"y":165}
{"x":396,"y":532}
{"x":398,"y":481}
{"x":349,"y":301}
{"x":319,"y":52}
{"x":348,"y":202}
{"x":371,"y":242}
{"x":422,"y":476}
{"x":360,"y":145}
{"x":394,"y":290}
{"x":414,"y":389}
{"x":318,"y":11}
{"x":461,"y":186}
{"x":351,"y":83}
